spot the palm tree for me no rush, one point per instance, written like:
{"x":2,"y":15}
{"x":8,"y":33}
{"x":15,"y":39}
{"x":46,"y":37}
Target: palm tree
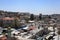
{"x":54,"y":28}
{"x":16,"y":22}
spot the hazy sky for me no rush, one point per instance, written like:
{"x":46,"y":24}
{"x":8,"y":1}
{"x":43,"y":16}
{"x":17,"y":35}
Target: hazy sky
{"x":32,"y":6}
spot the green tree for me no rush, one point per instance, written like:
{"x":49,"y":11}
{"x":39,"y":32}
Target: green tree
{"x":59,"y":30}
{"x":1,"y":23}
{"x":32,"y":17}
{"x":40,"y":16}
{"x":49,"y":16}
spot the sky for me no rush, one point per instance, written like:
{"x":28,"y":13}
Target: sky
{"x":32,"y":6}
